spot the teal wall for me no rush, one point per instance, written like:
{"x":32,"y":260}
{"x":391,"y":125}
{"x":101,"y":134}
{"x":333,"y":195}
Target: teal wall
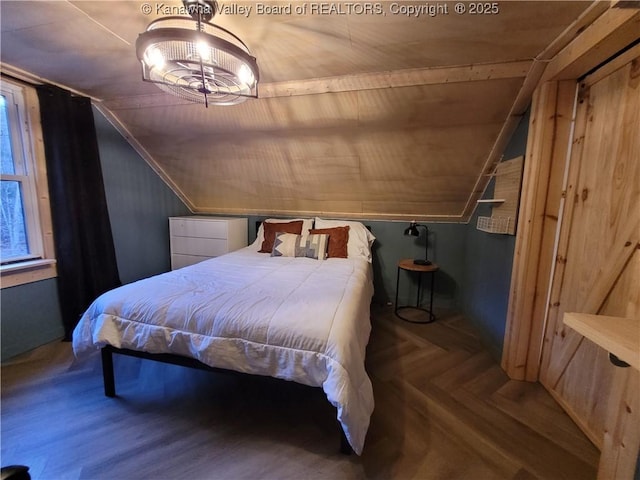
{"x":488,"y":260}
{"x":475,"y":267}
{"x":30,"y":317}
{"x":139,"y":204}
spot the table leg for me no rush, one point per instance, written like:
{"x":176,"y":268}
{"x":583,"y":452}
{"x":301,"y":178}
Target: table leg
{"x":397,"y":288}
{"x":397,"y":308}
{"x":431,"y":314}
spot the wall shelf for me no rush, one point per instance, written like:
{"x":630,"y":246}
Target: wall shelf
{"x":619,"y":336}
{"x":504,"y":207}
{"x":495,"y":224}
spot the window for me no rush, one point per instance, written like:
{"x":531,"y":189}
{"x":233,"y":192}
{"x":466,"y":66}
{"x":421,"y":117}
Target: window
{"x":20,"y":234}
{"x":25,"y":253}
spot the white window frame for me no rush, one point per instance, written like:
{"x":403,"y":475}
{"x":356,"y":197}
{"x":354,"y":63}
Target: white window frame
{"x":30,"y":170}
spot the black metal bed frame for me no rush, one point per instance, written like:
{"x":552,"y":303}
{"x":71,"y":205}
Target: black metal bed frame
{"x":109,"y":380}
{"x":109,"y":377}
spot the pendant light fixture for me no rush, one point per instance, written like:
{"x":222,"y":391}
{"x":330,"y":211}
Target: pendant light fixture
{"x":191,"y":58}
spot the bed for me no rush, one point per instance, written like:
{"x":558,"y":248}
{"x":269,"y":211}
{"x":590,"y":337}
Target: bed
{"x":296,"y":318}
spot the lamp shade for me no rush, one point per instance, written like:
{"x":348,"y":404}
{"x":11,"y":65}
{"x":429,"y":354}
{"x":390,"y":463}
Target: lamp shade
{"x":412,"y":230}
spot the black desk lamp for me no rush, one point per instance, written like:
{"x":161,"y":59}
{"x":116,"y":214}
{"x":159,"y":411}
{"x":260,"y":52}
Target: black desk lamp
{"x":414,"y":232}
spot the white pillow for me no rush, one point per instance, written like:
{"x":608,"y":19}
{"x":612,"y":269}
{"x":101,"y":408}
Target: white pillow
{"x":360,"y":238}
{"x":307,"y":223}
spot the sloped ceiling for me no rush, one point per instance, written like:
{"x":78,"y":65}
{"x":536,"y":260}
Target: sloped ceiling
{"x":367,"y":116}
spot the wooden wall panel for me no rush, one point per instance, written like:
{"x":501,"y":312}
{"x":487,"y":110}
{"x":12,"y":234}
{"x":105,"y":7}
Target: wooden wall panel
{"x":327,"y":77}
{"x":411,"y":152}
{"x":541,"y":199}
{"x":621,"y":444}
{"x":597,"y":270}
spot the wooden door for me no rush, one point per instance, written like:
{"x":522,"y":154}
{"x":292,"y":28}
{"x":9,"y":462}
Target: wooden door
{"x":598,"y":267}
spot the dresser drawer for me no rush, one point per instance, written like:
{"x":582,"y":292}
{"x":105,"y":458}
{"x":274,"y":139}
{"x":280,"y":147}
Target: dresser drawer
{"x":182,"y":227}
{"x":205,"y":247}
{"x":197,"y":238}
{"x":179,"y":261}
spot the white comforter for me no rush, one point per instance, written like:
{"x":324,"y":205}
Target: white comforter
{"x":298,"y":319}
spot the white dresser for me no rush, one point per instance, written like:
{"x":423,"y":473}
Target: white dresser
{"x":197,"y":238}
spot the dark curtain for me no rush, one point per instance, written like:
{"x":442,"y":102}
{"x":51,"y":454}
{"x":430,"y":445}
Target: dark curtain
{"x":85,"y":254}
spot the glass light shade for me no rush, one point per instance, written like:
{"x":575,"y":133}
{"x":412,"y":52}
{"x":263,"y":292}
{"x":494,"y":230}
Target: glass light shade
{"x":154,"y":58}
{"x":208,"y":66}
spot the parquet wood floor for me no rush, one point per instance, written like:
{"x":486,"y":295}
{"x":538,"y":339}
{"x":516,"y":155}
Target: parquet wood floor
{"x":444,"y":410}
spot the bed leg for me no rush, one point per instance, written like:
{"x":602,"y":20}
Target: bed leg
{"x":107,"y":372}
{"x":345,"y":446}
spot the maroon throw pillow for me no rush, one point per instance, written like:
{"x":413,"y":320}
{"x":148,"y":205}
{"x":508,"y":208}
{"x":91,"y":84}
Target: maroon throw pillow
{"x":338,"y":239}
{"x":270,"y":230}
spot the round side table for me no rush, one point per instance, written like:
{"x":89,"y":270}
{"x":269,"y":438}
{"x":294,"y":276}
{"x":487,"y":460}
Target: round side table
{"x":408,"y":265}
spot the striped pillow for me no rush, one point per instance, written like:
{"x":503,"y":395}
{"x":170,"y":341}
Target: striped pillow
{"x":292,"y":245}
{"x":315,"y":247}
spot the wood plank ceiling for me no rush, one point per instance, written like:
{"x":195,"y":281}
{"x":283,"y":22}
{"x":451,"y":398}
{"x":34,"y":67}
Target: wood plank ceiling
{"x":386,"y":116}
